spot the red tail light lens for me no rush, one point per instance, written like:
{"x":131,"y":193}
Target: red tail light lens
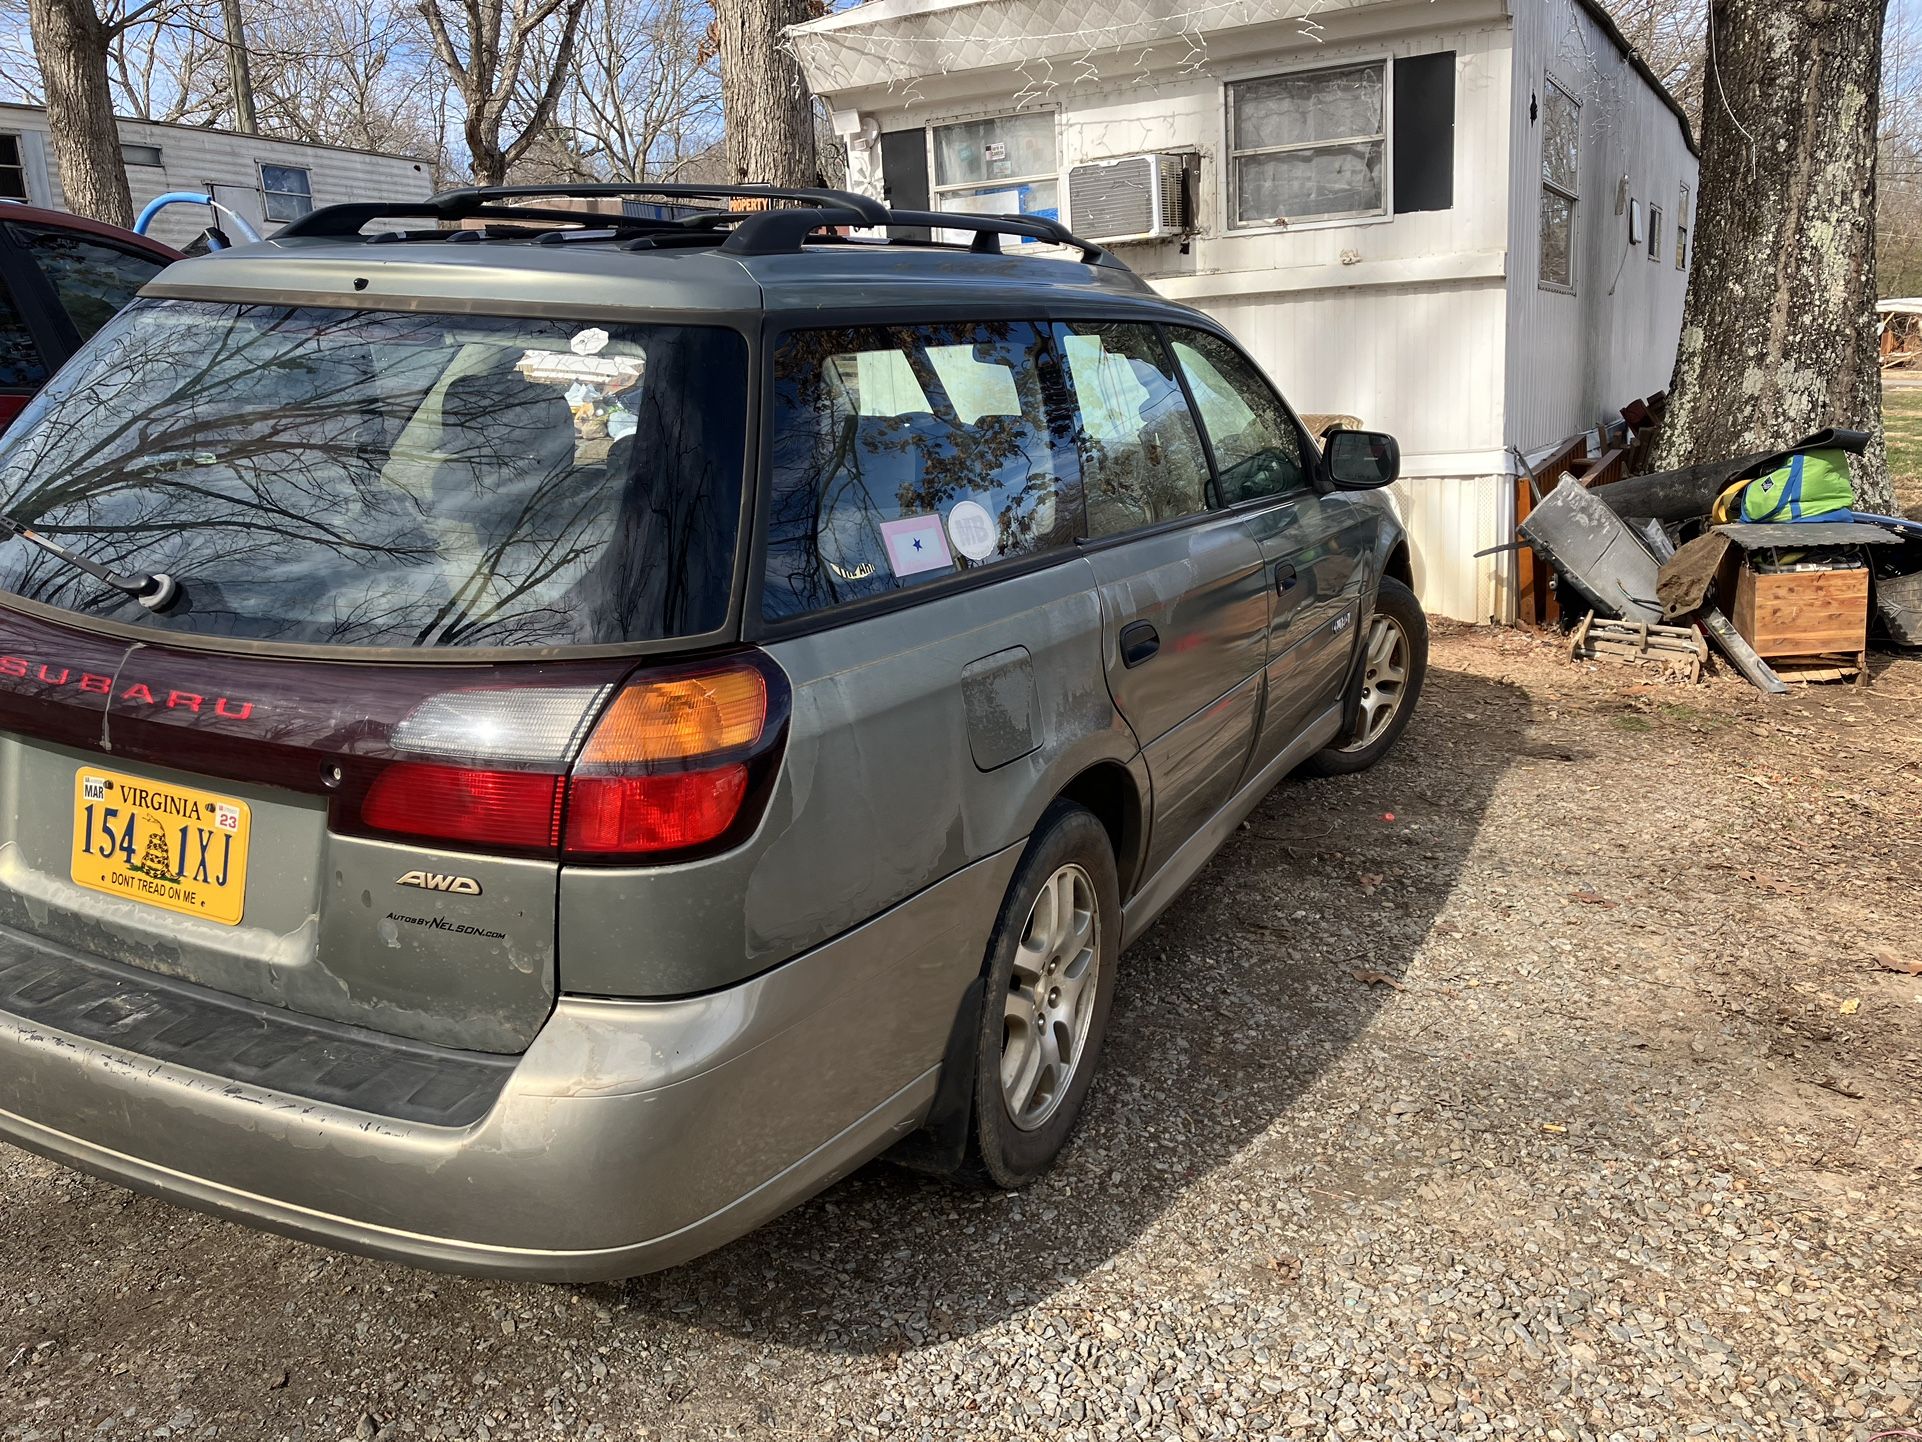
{"x":667,"y":768}
{"x":517,"y":809}
{"x":626,"y":815}
{"x":675,"y":761}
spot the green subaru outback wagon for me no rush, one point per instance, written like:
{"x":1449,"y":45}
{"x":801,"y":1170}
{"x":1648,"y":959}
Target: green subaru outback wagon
{"x":532,"y":740}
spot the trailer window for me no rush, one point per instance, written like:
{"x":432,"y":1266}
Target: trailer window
{"x":1561,"y":177}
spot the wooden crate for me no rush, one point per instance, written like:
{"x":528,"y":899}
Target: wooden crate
{"x":1803,"y":613}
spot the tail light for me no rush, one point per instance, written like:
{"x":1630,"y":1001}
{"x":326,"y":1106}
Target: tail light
{"x":669,"y":765}
{"x":511,"y":810}
{"x":666,"y":769}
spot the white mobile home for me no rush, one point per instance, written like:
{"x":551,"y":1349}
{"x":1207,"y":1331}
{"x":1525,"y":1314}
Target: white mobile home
{"x":266,"y":180}
{"x":1464,"y":221}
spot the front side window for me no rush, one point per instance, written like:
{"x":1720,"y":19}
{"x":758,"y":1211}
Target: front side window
{"x":1256,"y":442}
{"x":1681,"y":231}
{"x":1561,"y":173}
{"x":287,"y":190}
{"x":906,"y":454}
{"x":366,"y":478}
{"x":1656,"y":234}
{"x":1141,"y":457}
{"x":13,"y":169}
{"x":92,"y":278}
{"x":1003,"y":166}
{"x":1311,"y":146}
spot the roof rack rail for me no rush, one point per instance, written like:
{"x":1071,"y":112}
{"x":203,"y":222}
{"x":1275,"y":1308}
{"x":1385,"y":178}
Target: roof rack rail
{"x":776,"y":232}
{"x":872,"y":210}
{"x":773,"y":230}
{"x":487,"y":203}
{"x":988,"y":230}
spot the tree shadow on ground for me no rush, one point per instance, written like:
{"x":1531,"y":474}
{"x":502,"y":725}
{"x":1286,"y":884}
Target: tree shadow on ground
{"x":1226,"y":1013}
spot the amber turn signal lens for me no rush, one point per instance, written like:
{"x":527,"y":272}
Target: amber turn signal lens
{"x":683,"y":718}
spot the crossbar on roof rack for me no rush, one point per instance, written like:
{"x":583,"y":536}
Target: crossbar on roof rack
{"x":782,"y":232}
{"x":988,"y":229}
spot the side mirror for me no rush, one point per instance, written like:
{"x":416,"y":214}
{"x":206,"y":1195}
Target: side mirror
{"x":1360,"y":460}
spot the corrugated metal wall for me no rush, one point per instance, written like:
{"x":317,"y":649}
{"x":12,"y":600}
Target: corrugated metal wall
{"x":1449,"y":519}
{"x":1575,"y":360}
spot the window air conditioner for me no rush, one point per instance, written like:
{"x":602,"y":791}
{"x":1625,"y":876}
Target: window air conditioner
{"x":1132,"y":197}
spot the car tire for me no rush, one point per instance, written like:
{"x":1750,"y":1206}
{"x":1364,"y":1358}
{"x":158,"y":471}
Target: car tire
{"x":1050,"y":983}
{"x":1395,"y":648}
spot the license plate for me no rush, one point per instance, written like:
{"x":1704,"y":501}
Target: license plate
{"x":178,"y":847}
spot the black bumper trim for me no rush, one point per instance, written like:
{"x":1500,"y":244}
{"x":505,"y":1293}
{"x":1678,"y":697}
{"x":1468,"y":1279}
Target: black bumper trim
{"x":176,"y":1022}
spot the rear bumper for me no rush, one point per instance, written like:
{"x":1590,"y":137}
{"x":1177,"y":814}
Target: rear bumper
{"x":631,"y":1136}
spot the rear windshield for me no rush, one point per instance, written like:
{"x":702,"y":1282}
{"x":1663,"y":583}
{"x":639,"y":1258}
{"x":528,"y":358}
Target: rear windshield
{"x":368,"y":478}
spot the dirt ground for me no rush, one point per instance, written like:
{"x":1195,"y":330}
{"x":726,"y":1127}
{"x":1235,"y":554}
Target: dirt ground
{"x":1557,"y":1079}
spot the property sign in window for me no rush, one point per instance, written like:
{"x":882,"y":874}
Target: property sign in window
{"x":1561,"y":177}
{"x":1003,"y":166}
{"x":1308,"y":146}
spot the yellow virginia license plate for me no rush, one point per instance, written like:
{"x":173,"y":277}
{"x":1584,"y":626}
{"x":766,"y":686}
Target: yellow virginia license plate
{"x":179,"y":847}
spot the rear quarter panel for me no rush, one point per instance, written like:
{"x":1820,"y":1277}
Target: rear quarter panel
{"x":921,"y":740}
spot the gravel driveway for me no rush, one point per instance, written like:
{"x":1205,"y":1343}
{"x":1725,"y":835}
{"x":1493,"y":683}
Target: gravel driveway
{"x":1542,"y":1083}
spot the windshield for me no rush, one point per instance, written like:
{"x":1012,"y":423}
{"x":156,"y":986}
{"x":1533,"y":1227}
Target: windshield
{"x":369,"y":478}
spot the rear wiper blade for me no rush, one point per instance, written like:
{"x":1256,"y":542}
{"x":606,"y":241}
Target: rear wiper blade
{"x":155,"y":592}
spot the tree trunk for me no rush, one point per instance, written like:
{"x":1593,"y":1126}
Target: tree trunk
{"x":1778,"y":332}
{"x":240,"y":69}
{"x":490,"y":162}
{"x":71,"y":42}
{"x":764,"y":96}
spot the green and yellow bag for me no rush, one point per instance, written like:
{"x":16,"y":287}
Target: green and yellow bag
{"x":1813,"y":483}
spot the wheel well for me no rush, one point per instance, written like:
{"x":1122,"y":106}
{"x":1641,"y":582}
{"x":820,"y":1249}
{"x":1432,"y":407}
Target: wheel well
{"x":1399,"y":566}
{"x":1109,"y":792}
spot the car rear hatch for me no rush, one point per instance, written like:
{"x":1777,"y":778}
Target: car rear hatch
{"x":340,"y":772}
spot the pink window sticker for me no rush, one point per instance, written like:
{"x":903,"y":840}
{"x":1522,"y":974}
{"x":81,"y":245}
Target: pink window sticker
{"x":916,"y":544}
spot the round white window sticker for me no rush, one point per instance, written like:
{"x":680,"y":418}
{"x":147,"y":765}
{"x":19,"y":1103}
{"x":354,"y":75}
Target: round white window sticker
{"x":971,"y":529}
{"x":589,"y":342}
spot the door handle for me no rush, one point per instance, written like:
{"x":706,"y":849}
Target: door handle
{"x":1285,"y":578}
{"x":1139,"y":642}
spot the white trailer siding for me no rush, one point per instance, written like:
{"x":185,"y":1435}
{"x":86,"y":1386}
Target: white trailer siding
{"x":1574,"y":359}
{"x":220,"y":162}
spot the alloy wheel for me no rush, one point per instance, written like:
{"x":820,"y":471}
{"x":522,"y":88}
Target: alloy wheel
{"x":1384,"y":681}
{"x":1051,"y":997}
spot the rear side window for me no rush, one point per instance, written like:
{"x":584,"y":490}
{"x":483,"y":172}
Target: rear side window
{"x":902,"y":454}
{"x":1257,"y":446}
{"x":1141,"y":457}
{"x":92,"y":278}
{"x":20,"y":365}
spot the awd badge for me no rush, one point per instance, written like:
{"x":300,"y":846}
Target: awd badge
{"x":440,"y":881}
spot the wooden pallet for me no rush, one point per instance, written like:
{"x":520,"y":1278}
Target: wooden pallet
{"x":1816,"y":670}
{"x":1598,"y":637}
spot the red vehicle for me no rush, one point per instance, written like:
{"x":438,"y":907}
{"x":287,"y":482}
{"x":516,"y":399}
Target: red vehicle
{"x":61,"y":278}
